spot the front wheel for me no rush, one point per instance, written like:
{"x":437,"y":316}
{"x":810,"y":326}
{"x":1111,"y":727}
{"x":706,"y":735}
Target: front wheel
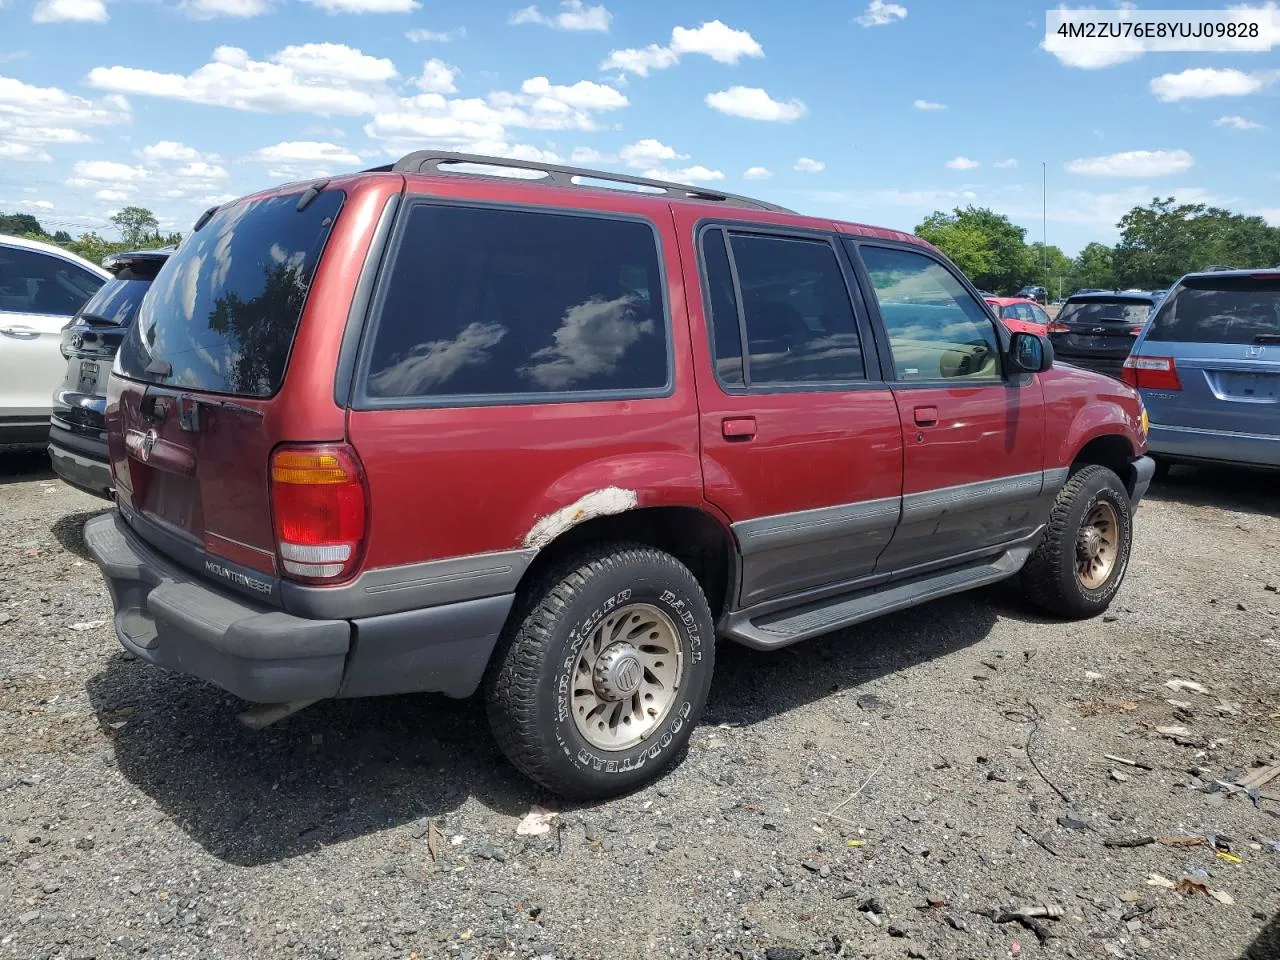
{"x":599,"y":685}
{"x":1081,"y":562}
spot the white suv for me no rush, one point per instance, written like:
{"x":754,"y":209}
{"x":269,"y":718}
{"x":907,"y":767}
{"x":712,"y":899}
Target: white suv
{"x":41,"y":288}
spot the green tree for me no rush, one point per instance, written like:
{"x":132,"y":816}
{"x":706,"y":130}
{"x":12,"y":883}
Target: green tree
{"x":20,"y":224}
{"x":136,"y":225}
{"x":1048,"y":266}
{"x":1092,"y":269}
{"x":1000,"y":258}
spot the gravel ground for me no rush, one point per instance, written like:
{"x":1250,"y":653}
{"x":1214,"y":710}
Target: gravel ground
{"x":138,"y":819}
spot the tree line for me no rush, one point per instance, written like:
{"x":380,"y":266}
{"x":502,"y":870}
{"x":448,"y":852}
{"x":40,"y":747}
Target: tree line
{"x":139,"y":230}
{"x":1158,"y":243}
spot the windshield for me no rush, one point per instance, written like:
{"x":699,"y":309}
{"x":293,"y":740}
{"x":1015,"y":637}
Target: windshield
{"x":1221,"y":310}
{"x":222,"y":313}
{"x":1131,"y":312}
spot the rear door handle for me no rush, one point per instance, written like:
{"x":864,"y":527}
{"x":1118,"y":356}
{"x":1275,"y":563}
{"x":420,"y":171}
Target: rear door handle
{"x":738,"y":428}
{"x":926,"y":416}
{"x":23,"y":333}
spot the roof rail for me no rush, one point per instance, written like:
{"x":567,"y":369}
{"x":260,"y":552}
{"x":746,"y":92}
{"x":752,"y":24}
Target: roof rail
{"x":439,"y":161}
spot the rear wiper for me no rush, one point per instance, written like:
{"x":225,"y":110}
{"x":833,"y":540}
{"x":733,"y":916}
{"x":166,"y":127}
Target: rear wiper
{"x":1267,"y":338}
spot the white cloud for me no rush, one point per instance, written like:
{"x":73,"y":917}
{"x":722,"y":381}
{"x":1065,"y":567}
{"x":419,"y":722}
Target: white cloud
{"x":200,"y":170}
{"x":694,"y":174}
{"x":436,"y":77}
{"x":583,"y":95}
{"x":589,"y":155}
{"x":573,"y":15}
{"x":640,"y":61}
{"x":210,"y":9}
{"x":366,"y":6}
{"x":1237,"y":123}
{"x":24,"y":152}
{"x":755,"y":104}
{"x":721,"y":43}
{"x":38,"y":204}
{"x":435,"y":36}
{"x":757,"y":173}
{"x":86,"y":172}
{"x":929,"y":105}
{"x":114,"y":196}
{"x":645,"y":153}
{"x":322,"y":78}
{"x":879,"y":13}
{"x":79,"y":11}
{"x":28,"y":106}
{"x":305,"y":151}
{"x":1134,"y":163}
{"x":169,"y":150}
{"x":1009,"y":164}
{"x":713,"y":39}
{"x":809,"y":165}
{"x":962,"y":163}
{"x":1202,"y":82}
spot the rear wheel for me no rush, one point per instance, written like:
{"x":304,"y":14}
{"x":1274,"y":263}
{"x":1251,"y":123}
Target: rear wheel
{"x":1081,"y":562}
{"x":599,"y":685}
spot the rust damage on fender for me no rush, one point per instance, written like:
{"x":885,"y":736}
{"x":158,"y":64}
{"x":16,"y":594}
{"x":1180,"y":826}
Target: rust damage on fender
{"x":598,"y":503}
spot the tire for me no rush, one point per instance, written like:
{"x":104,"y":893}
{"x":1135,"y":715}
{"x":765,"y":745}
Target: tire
{"x":1051,"y":578}
{"x":537,"y":695}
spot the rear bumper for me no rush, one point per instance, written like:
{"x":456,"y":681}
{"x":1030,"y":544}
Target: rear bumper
{"x":85,"y":471}
{"x":1219,"y":446}
{"x":167,"y":616}
{"x":1110,"y":366}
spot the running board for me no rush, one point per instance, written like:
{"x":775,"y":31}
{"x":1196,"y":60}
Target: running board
{"x":778,"y":629}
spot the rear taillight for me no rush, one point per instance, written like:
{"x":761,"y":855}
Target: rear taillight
{"x":318,"y":505}
{"x":1056,"y":327}
{"x":1152,"y":373}
{"x":1135,"y":330}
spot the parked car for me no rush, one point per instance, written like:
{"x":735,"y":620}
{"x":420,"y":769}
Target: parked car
{"x":1019,"y":313}
{"x":1208,"y":366}
{"x":1038,"y":294}
{"x":41,"y":288}
{"x":419,"y":429}
{"x":77,"y":432}
{"x":1097,"y":330}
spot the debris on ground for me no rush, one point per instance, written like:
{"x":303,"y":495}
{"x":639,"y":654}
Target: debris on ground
{"x":536,"y":822}
{"x":1188,"y":685}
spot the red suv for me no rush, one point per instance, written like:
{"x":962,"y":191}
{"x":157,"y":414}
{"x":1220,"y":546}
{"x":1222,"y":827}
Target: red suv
{"x":425,"y":428}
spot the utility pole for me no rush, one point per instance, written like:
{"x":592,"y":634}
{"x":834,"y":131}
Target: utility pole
{"x":1044,"y":223}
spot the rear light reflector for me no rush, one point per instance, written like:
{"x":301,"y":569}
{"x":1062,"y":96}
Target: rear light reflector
{"x":1056,"y":327}
{"x":318,"y":505}
{"x":1152,"y":373}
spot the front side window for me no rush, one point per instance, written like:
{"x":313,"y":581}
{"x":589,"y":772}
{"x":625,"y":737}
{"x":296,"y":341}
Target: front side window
{"x":487,"y":302}
{"x":793,"y":303}
{"x":1038,"y":315}
{"x":937,"y":331}
{"x":35,"y":282}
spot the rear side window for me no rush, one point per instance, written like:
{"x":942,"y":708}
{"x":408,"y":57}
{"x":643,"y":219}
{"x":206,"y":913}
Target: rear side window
{"x":792,"y":302}
{"x":486,"y":302}
{"x":1221,"y":310}
{"x":1102,"y":310}
{"x":35,"y":282}
{"x":222,"y":313}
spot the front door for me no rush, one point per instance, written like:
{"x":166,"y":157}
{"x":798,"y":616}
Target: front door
{"x":973,"y":440}
{"x":801,"y":445}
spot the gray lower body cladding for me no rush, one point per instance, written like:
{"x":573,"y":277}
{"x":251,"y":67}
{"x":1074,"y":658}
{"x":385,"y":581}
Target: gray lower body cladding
{"x":168,"y":616}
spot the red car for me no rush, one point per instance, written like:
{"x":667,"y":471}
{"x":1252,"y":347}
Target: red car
{"x":424,"y":429}
{"x":1020,"y":314}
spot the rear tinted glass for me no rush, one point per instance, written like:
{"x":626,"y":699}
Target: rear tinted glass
{"x":504,"y":303}
{"x":116,"y":301}
{"x":222,"y":313}
{"x":1220,"y":310}
{"x":1105,"y":311}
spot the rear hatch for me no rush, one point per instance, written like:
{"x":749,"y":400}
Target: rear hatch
{"x":191,"y":413}
{"x":1099,"y":326}
{"x":94,"y":335}
{"x":1222,"y":336}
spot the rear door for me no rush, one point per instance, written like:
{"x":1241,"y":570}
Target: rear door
{"x":1223,"y":335}
{"x":801,"y":445}
{"x":973,"y":439}
{"x":201,"y":364}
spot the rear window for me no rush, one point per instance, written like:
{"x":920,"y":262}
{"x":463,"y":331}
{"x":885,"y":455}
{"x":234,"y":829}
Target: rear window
{"x":116,"y":302}
{"x":1221,"y":310}
{"x":222,"y":313}
{"x":1095,"y":310}
{"x":486,"y":303}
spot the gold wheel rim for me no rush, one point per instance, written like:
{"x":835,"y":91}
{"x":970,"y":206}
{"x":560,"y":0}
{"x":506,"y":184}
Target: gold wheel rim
{"x":1097,"y":546}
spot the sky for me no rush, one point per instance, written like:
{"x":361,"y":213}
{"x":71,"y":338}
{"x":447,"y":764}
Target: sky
{"x":875,"y":111}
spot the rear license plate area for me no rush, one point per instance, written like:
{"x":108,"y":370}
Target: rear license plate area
{"x":88,"y":380}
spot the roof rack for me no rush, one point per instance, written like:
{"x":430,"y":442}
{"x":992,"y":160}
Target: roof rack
{"x":438,"y":161}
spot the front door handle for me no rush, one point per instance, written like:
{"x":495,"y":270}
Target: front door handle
{"x":738,"y":428}
{"x":22,"y":333}
{"x":926,"y":416}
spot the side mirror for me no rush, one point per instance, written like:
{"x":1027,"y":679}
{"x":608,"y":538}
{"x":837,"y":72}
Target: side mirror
{"x":1030,"y":353}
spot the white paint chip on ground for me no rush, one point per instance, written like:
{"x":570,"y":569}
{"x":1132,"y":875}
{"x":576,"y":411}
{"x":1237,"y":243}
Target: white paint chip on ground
{"x":598,"y":503}
{"x":536,"y":822}
{"x":1190,"y":685}
{"x":87,"y":625}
